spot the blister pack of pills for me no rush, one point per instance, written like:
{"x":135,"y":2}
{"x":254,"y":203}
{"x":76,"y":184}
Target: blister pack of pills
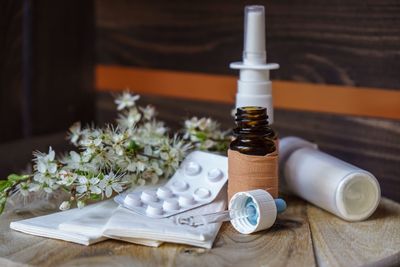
{"x":197,"y":182}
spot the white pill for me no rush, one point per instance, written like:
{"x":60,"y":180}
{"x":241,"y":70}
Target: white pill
{"x":185,"y":201}
{"x":180,"y":186}
{"x":149,"y":196}
{"x":202,"y":192}
{"x":164,"y":192}
{"x":170,"y":204}
{"x":214,"y":175}
{"x":132,"y":200}
{"x":153,"y":209}
{"x":192,"y":168}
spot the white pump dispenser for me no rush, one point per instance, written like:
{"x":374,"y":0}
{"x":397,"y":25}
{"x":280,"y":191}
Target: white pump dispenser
{"x":254,"y":85}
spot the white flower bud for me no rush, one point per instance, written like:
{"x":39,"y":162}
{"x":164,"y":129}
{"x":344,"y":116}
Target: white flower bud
{"x":65,"y":205}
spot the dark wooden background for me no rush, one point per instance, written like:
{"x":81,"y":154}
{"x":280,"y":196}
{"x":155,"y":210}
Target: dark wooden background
{"x":46,"y":66}
{"x":352,"y":43}
{"x":50,"y":85}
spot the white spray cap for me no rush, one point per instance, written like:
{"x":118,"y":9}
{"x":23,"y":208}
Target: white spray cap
{"x":254,"y":35}
{"x":254,"y":85}
{"x":266,"y":208}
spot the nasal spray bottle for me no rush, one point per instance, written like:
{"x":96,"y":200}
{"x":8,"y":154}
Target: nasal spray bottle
{"x":253,"y":155}
{"x":254,"y":85}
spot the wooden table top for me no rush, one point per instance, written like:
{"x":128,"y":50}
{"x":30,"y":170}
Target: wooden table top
{"x":303,"y":236}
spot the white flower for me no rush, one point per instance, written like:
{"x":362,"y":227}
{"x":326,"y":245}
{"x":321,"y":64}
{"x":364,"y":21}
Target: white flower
{"x":49,"y":188}
{"x":126,"y":100}
{"x":90,"y":185}
{"x":151,"y":133}
{"x":33,"y":187}
{"x":74,"y":133}
{"x":149,"y":176}
{"x":156,"y":168}
{"x":65,"y":205}
{"x":129,"y":119}
{"x":45,"y":180}
{"x":110,"y":183}
{"x":91,"y":142}
{"x":148,"y":112}
{"x":208,"y":144}
{"x":136,"y":166}
{"x":192,"y":123}
{"x":148,"y":151}
{"x":67,"y":177}
{"x":45,"y":162}
{"x":77,"y":161}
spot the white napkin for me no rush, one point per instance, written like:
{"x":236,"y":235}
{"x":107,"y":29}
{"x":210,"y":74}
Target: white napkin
{"x":127,"y":224}
{"x":83,"y":226}
{"x":94,"y":220}
{"x":47,"y":226}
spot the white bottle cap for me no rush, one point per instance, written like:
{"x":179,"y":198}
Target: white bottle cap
{"x":358,"y":196}
{"x":265,"y":206}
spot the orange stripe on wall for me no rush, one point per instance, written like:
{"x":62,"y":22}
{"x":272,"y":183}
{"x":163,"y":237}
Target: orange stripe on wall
{"x":289,"y":95}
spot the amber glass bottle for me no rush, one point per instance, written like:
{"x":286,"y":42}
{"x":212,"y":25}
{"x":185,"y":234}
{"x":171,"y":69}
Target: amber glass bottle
{"x":253,"y":134}
{"x":253,"y":154}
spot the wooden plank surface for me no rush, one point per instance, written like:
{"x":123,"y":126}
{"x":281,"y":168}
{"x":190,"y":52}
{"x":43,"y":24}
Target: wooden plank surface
{"x":349,"y":42}
{"x":301,"y":235}
{"x":339,"y":243}
{"x":292,"y":233}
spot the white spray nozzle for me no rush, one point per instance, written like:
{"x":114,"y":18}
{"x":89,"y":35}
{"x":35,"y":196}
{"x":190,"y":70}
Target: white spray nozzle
{"x":254,"y":35}
{"x":254,"y":85}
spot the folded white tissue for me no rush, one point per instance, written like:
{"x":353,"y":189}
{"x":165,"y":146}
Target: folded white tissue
{"x":104,"y":220}
{"x":127,"y":224}
{"x":82,"y":226}
{"x":48,"y":225}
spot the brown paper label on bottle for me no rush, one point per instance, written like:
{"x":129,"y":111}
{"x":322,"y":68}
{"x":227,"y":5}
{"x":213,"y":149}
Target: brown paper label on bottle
{"x":247,"y":172}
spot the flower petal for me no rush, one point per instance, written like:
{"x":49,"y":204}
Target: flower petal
{"x":108,"y":191}
{"x":81,"y":189}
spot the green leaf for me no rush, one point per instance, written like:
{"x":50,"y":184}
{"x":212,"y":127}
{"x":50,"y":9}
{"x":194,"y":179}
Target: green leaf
{"x":2,"y":204}
{"x":4,"y":185}
{"x":133,"y":146}
{"x":201,"y":136}
{"x":95,"y":197}
{"x":15,"y":177}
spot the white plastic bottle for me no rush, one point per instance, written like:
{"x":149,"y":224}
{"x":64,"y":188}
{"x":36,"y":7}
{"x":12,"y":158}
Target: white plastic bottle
{"x":328,"y":182}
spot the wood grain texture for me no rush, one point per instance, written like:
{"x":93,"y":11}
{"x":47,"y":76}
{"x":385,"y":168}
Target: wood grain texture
{"x":300,"y":233}
{"x":340,"y":243}
{"x":344,"y":100}
{"x":350,"y":42}
{"x":292,"y":233}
